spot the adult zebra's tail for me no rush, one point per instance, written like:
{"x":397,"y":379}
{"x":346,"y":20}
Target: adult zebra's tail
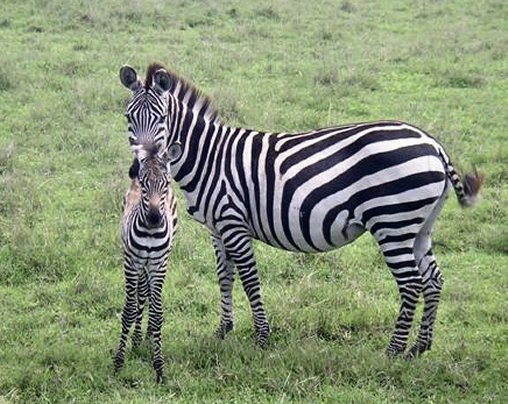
{"x":466,"y":188}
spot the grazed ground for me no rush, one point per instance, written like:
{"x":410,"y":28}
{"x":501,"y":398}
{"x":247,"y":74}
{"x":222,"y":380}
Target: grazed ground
{"x":268,"y":65}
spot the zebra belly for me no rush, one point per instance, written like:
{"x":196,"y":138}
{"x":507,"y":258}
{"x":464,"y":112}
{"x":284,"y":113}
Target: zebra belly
{"x":312,"y":237}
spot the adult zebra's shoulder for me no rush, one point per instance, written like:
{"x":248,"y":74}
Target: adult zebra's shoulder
{"x":311,"y":191}
{"x":148,"y":228}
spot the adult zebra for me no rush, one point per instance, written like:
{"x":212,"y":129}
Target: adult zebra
{"x":310,"y":192}
{"x":148,"y":227}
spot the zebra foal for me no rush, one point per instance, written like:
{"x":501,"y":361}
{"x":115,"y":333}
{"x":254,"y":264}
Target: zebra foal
{"x":309,"y":192}
{"x":148,"y":227}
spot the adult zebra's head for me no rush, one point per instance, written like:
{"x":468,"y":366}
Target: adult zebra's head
{"x":147,"y":109}
{"x":153,"y":175}
{"x":169,"y":111}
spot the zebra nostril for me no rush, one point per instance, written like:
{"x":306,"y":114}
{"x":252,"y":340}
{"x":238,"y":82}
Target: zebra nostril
{"x":153,"y":219}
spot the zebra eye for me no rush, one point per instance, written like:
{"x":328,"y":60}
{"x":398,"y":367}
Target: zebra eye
{"x":162,"y":119}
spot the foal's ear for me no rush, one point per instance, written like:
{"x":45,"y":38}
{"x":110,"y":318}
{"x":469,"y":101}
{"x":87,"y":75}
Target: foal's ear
{"x":162,"y":81}
{"x":134,"y":169}
{"x":129,"y":78}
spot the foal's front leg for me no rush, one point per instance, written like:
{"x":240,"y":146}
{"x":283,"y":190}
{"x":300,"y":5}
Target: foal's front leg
{"x":128,"y":314}
{"x":155,"y":317}
{"x":142,"y":295}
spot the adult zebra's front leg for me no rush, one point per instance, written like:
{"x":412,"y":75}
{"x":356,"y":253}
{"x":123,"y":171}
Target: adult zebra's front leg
{"x":238,"y":246}
{"x":226,"y":277}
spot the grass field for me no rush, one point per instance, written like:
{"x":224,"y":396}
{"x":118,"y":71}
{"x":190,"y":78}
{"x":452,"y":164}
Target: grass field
{"x":281,"y":65}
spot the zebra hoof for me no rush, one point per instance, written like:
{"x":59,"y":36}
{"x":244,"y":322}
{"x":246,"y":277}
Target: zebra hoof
{"x":160,"y":378}
{"x":394,"y":351}
{"x":136,"y":341}
{"x":416,"y":350}
{"x":262,"y":336}
{"x":223,"y":329}
{"x":158,"y":365}
{"x":117,"y":364}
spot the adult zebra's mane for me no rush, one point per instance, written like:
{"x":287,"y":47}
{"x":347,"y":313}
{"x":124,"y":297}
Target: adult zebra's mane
{"x":186,"y":92}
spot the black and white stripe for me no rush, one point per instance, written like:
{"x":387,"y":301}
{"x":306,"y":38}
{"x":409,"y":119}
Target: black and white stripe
{"x":148,"y":227}
{"x":310,"y":192}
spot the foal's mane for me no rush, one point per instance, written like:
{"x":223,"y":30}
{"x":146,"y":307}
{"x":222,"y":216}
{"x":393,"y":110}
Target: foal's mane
{"x":186,"y":92}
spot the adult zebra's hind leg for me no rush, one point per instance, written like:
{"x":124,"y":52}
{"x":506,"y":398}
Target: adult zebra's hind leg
{"x":432,"y":282}
{"x":432,"y":285}
{"x":225,"y":275}
{"x":399,"y":256}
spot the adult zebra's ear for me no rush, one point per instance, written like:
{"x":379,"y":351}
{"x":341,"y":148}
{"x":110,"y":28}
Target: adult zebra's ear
{"x":129,"y":78}
{"x":161,"y":81}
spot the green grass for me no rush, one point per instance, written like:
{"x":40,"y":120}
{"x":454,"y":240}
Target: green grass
{"x":279,"y":65}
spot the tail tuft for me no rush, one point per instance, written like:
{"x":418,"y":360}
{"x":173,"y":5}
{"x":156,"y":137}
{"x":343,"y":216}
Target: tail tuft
{"x":471,"y":183}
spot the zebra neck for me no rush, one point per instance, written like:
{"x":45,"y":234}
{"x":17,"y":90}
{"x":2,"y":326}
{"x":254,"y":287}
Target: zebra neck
{"x":201,"y":142}
{"x":200,"y":169}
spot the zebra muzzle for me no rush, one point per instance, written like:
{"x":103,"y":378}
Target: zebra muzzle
{"x":153,"y":218}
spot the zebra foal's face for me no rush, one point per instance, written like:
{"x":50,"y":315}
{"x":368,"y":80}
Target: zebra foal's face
{"x":147,"y":109}
{"x":153,"y":177}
